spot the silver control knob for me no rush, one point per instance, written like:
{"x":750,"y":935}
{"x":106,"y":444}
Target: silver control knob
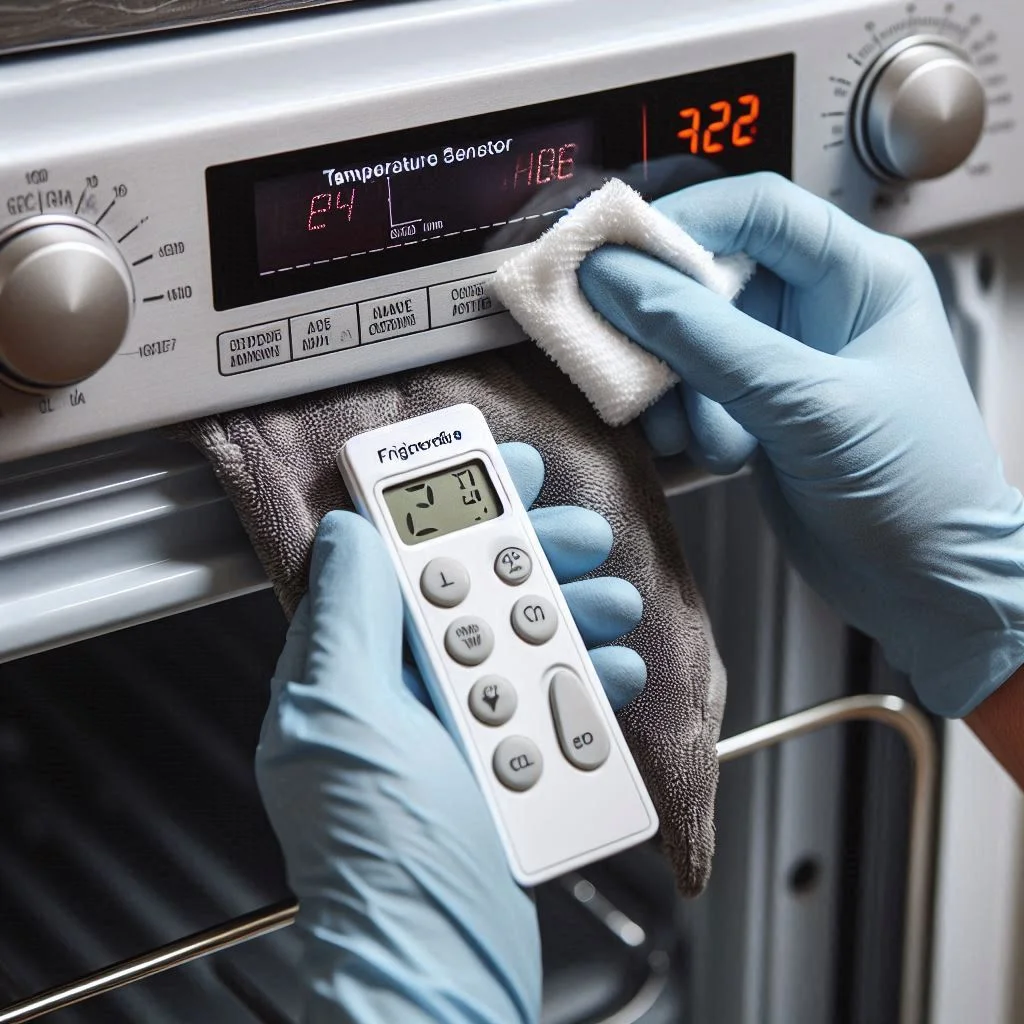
{"x":65,"y":302}
{"x":919,"y":111}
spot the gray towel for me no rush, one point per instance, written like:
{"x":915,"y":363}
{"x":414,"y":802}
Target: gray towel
{"x":276,"y":463}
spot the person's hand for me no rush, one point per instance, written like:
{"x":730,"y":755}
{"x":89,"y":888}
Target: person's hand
{"x":874,"y":467}
{"x":407,"y":908}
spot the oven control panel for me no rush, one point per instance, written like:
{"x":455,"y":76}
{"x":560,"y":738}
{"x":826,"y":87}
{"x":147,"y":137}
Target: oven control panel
{"x":195,"y":224}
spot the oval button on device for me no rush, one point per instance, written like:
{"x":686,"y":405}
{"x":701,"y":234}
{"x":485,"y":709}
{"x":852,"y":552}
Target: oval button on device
{"x":493,"y":700}
{"x":513,"y":566}
{"x":581,"y":732}
{"x":534,"y":619}
{"x":444,"y":582}
{"x":469,"y":640}
{"x":518,"y":762}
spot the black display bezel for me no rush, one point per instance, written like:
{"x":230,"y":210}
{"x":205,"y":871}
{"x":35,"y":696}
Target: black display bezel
{"x":236,"y":280}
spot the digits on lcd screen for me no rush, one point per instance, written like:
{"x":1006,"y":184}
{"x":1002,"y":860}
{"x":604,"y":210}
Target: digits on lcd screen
{"x":442,"y":502}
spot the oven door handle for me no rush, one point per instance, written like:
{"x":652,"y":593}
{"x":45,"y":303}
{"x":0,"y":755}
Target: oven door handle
{"x":893,"y":712}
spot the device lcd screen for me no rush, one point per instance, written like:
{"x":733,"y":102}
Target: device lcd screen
{"x":435,"y":504}
{"x":309,"y":219}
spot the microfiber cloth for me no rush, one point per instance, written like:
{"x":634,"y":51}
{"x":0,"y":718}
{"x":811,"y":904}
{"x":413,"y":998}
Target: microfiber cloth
{"x":540,"y":289}
{"x":276,"y":463}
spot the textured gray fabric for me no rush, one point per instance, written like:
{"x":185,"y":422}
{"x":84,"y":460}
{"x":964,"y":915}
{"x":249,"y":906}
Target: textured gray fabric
{"x":276,"y":463}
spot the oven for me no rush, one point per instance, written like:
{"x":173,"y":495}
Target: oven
{"x":206,"y":207}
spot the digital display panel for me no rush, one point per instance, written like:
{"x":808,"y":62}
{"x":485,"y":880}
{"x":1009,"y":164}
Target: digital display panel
{"x":413,"y":198}
{"x":299,"y":221}
{"x":439,"y":503}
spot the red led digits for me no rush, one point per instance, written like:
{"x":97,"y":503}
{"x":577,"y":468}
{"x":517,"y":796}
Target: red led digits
{"x":320,"y":203}
{"x":714,"y":138}
{"x":724,"y":109}
{"x":753,"y":104}
{"x":544,"y":165}
{"x":566,"y":156}
{"x":329,"y":202}
{"x":692,"y":132}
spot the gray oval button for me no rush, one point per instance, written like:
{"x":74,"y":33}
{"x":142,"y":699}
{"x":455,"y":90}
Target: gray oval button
{"x":513,"y":566}
{"x":534,"y":619}
{"x":469,"y":640}
{"x":518,"y":762}
{"x":493,"y":700}
{"x":581,"y":732}
{"x":444,"y":582}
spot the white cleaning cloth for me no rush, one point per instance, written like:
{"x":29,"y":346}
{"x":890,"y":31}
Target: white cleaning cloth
{"x":540,"y":289}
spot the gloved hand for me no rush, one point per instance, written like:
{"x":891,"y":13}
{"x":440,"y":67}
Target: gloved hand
{"x":874,"y":468}
{"x":407,"y":908}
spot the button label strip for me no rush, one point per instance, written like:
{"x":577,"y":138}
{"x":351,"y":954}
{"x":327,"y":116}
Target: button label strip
{"x":366,"y":322}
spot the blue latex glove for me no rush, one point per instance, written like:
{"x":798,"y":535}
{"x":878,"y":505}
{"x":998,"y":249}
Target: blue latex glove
{"x":408,"y":911}
{"x":875,"y":468}
{"x":684,"y":420}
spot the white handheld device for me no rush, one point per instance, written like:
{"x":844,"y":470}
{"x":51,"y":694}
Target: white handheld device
{"x":499,"y":651}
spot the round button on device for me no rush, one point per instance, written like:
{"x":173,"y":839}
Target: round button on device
{"x":444,"y":582}
{"x":534,"y":619}
{"x":513,"y":566}
{"x":493,"y":700}
{"x":469,"y":640}
{"x":518,"y":763}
